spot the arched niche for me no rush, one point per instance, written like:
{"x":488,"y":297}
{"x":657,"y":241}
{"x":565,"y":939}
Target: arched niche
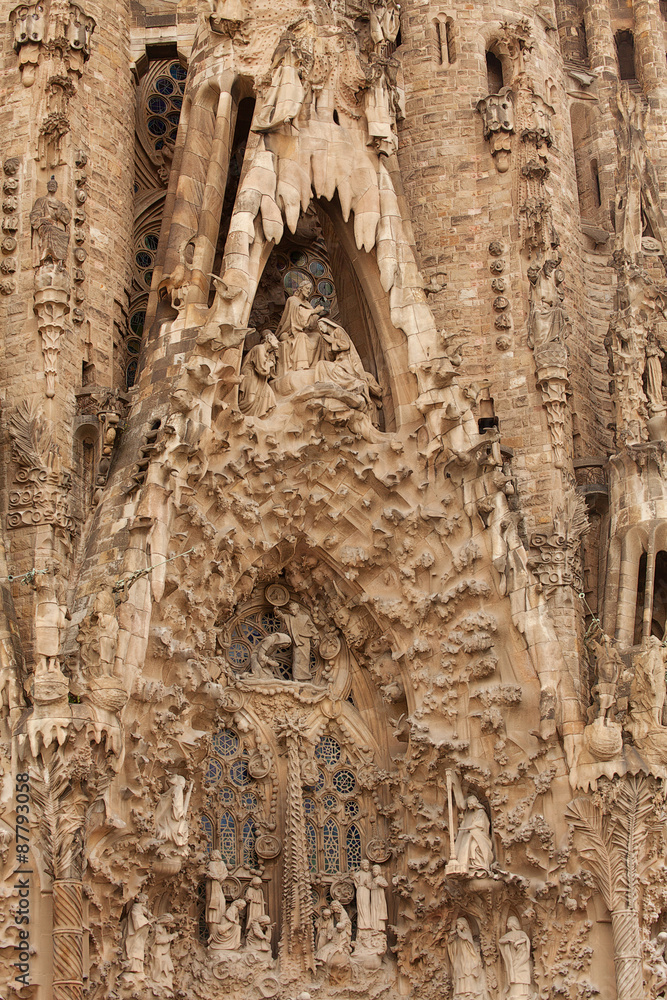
{"x":636,"y":604}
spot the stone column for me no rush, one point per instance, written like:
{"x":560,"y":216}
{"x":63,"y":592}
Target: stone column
{"x":67,"y":939}
{"x":600,"y":38}
{"x":649,"y":50}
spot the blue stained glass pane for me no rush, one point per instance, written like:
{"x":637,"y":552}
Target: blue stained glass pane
{"x":316,"y":268}
{"x":331,"y":847}
{"x":173,"y":117}
{"x":238,"y":772}
{"x":173,"y":134}
{"x":249,"y":836}
{"x":177,"y":71}
{"x":250,"y":632}
{"x":311,"y":840}
{"x":164,"y":85}
{"x":226,"y":796}
{"x":344,"y":782}
{"x":238,"y":654}
{"x":157,"y":105}
{"x":325,"y":288}
{"x":144,"y":259}
{"x":156,"y":126}
{"x":249,"y":801}
{"x":270,"y":622}
{"x":320,"y":781}
{"x":148,"y":277}
{"x":207,"y":828}
{"x":151,"y":241}
{"x":225,"y":742}
{"x":177,"y":102}
{"x":308,"y":807}
{"x":329,"y":802}
{"x":213,"y":771}
{"x":353,"y":849}
{"x":351,"y":809}
{"x":228,"y":839}
{"x":328,"y":751}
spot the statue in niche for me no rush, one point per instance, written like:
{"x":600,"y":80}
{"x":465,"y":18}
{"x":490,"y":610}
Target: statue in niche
{"x":136,"y":933}
{"x":298,"y":332}
{"x":225,"y":935}
{"x":547,"y":320}
{"x":216,"y":873}
{"x":262,"y":663}
{"x":468,"y":977}
{"x":647,"y":694}
{"x":608,"y":668}
{"x":653,"y":374}
{"x":50,"y":220}
{"x":474,"y":850}
{"x":162,"y":968}
{"x":171,"y":814}
{"x":285,"y":95}
{"x":515,"y":950}
{"x":258,"y":936}
{"x":98,"y":636}
{"x":379,"y":106}
{"x":334,"y":939}
{"x":384,"y":21}
{"x":300,"y":627}
{"x":256,"y":397}
{"x":254,"y":897}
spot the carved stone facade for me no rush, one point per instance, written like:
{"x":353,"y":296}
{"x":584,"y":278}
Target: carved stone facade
{"x":333,"y":549}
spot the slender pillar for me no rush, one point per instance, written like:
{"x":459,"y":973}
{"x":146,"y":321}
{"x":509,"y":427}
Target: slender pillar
{"x":649,"y":51}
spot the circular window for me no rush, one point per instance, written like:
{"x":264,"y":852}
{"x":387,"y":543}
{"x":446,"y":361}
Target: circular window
{"x":298,"y":258}
{"x":164,"y":86}
{"x":239,"y":774}
{"x":344,"y":782}
{"x":157,"y":105}
{"x":143,"y":259}
{"x":352,"y":809}
{"x":226,"y":796}
{"x":157,"y":126}
{"x":325,"y":288}
{"x":238,"y":654}
{"x":328,"y":751}
{"x":151,"y":241}
{"x":330,"y":802}
{"x":133,"y":346}
{"x":294,"y":279}
{"x":316,"y":268}
{"x":225,"y":742}
{"x":177,"y":72}
{"x":148,"y":277}
{"x":131,"y":373}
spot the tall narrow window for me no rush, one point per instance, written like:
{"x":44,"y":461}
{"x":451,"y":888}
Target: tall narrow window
{"x":625,"y":51}
{"x":641,"y":596}
{"x":494,"y":73}
{"x":595,"y":174}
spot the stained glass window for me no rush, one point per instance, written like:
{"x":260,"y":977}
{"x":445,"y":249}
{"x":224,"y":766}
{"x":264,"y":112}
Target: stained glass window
{"x":353,"y":848}
{"x":226,"y":796}
{"x":238,"y":772}
{"x":351,"y":809}
{"x":228,"y":839}
{"x":328,"y":751}
{"x":207,"y":828}
{"x":311,"y":839}
{"x":344,"y":782}
{"x":249,"y":836}
{"x":309,"y":807}
{"x":225,"y":743}
{"x":248,"y":801}
{"x":213,"y":770}
{"x":331,"y":847}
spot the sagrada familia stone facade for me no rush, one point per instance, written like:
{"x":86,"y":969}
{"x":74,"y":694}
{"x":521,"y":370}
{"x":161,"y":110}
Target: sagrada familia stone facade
{"x":333,"y":546}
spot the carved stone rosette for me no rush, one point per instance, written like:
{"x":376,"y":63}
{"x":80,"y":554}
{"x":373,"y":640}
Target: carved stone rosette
{"x":553,"y":381}
{"x":51,"y":305}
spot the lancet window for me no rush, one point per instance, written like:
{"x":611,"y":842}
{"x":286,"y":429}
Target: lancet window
{"x":334,"y":815}
{"x":235,"y":801}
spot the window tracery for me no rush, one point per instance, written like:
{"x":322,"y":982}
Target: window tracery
{"x":333,"y":812}
{"x":234,"y":807}
{"x":255,"y":624}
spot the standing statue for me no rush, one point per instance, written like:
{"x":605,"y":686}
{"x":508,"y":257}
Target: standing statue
{"x":300,"y":627}
{"x":162,"y":968}
{"x":474,"y":850}
{"x":647,"y":693}
{"x":363,"y":883}
{"x":254,"y":897}
{"x":468,"y":977}
{"x":256,"y":397}
{"x":379,"y":913}
{"x":216,"y":873}
{"x":98,"y":636}
{"x":515,"y":950}
{"x":50,"y":220}
{"x":226,"y":934}
{"x":136,"y":932}
{"x":171,"y":814}
{"x":547,"y":320}
{"x":50,"y":617}
{"x":653,"y":372}
{"x":608,"y":668}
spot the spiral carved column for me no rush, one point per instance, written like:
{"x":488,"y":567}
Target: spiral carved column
{"x":627,"y":955}
{"x":297,"y":933}
{"x":67,"y":939}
